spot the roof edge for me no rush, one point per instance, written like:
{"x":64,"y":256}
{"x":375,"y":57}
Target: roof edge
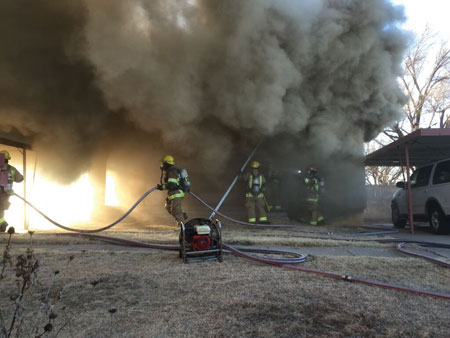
{"x":12,"y":143}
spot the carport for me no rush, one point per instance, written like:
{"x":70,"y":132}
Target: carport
{"x":421,"y":147}
{"x":24,"y":147}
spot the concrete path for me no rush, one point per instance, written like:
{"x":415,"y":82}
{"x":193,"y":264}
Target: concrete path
{"x":421,"y":234}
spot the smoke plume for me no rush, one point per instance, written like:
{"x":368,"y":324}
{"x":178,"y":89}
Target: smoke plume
{"x":203,"y":77}
{"x":269,"y":67}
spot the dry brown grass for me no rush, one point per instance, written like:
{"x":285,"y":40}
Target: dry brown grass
{"x":158,"y":296}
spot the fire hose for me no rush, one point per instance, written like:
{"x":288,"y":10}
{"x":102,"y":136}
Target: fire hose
{"x":215,"y":211}
{"x":297,"y":258}
{"x":283,"y":263}
{"x":400,"y":247}
{"x":94,"y":230}
{"x":249,"y":253}
{"x":289,"y":226}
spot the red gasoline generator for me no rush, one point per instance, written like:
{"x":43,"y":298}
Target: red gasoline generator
{"x":200,"y":239}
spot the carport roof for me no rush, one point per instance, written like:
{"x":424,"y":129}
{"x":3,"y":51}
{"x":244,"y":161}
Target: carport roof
{"x":424,"y":145}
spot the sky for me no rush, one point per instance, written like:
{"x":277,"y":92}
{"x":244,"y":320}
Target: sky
{"x":432,"y":12}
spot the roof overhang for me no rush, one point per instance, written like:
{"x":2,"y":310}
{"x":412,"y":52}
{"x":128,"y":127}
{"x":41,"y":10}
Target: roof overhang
{"x":13,"y":143}
{"x":424,"y":146}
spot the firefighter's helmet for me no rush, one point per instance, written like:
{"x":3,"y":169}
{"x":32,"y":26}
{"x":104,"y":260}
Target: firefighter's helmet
{"x":168,"y":159}
{"x":6,"y":153}
{"x":254,"y":165}
{"x":312,"y":169}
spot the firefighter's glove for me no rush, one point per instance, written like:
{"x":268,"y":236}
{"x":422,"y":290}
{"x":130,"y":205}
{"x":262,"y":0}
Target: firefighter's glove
{"x":159,"y":187}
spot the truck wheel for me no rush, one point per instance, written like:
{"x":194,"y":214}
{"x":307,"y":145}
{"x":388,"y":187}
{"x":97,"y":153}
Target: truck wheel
{"x":438,"y":222}
{"x":397,"y":219}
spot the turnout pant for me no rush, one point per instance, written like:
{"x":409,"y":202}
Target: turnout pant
{"x":4,"y":205}
{"x":255,"y":209}
{"x":273,"y":196}
{"x":173,"y":206}
{"x":313,"y":208}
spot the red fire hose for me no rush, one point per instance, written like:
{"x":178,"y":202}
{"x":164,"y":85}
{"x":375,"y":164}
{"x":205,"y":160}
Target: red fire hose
{"x":245,"y":253}
{"x":286,"y":263}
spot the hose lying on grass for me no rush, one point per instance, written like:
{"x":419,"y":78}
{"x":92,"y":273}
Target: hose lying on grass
{"x":250,"y":253}
{"x":287,"y":263}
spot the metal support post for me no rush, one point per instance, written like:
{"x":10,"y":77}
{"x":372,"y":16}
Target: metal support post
{"x":410,"y":210}
{"x":401,"y":165}
{"x":25,"y":223}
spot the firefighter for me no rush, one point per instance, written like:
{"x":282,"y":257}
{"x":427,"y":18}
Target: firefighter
{"x":175,"y":188}
{"x":273,"y":190}
{"x":254,"y":197}
{"x":10,"y":175}
{"x":313,"y":184}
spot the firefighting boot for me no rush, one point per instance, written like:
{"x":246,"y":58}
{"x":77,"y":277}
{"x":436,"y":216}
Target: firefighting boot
{"x":3,"y":225}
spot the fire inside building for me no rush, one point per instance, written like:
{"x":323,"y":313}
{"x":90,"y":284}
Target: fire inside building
{"x":188,"y":115}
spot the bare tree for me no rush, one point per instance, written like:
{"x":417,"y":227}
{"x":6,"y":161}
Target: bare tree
{"x":440,"y":106}
{"x":426,"y":82}
{"x":380,"y":175}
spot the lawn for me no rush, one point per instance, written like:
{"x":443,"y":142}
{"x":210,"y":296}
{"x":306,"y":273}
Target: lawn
{"x":102,"y":290}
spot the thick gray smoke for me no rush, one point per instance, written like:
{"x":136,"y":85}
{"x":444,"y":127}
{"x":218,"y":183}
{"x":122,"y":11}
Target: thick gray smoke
{"x":326,"y":68}
{"x":203,"y":77}
{"x":47,"y":90}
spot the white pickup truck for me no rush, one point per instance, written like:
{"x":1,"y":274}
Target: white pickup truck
{"x":430,"y":200}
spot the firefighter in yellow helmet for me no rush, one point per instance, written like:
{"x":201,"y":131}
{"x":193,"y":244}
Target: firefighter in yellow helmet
{"x":313,"y":186}
{"x":254,"y":197}
{"x":176,"y":185}
{"x":8,"y":175}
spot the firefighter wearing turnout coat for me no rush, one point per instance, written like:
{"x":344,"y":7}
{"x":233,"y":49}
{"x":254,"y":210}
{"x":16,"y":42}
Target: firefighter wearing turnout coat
{"x":313,"y":185}
{"x":254,"y":197}
{"x":175,"y":184}
{"x":8,"y":176}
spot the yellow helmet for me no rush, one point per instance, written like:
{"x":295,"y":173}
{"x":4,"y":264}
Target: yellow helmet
{"x":7,"y":156}
{"x":168,"y":159}
{"x":254,"y":165}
